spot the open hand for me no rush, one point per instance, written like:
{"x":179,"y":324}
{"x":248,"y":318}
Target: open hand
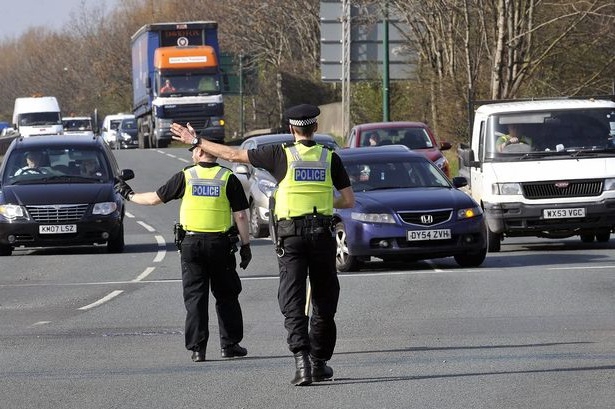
{"x":182,"y":133}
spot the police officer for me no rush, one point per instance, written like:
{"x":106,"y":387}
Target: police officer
{"x":307,"y":174}
{"x":212,"y":197}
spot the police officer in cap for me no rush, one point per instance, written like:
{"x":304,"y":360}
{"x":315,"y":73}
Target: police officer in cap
{"x":212,"y":198}
{"x":307,"y":174}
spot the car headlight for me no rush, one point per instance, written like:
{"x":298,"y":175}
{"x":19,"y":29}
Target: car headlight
{"x":373,"y":217}
{"x":125,"y":136}
{"x":469,"y":212}
{"x":609,"y":184}
{"x":267,"y":187}
{"x":12,"y":212}
{"x":104,"y":208}
{"x":506,"y":189}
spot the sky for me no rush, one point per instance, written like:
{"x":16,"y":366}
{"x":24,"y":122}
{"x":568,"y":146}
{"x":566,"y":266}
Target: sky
{"x":20,"y":15}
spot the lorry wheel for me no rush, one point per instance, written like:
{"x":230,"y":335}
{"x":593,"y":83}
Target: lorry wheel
{"x":587,"y":238}
{"x":494,"y":241}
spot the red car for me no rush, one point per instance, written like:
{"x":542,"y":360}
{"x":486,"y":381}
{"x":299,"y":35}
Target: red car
{"x":415,"y":135}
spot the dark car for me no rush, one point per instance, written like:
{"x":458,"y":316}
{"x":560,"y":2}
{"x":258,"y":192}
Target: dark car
{"x":127,"y":133}
{"x":259,"y":185}
{"x":406,"y":209}
{"x":59,"y":191}
{"x":415,"y":135}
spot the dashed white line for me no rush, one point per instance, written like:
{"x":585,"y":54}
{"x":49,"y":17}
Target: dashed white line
{"x":40,"y":323}
{"x":103,"y":300}
{"x":146,"y":226}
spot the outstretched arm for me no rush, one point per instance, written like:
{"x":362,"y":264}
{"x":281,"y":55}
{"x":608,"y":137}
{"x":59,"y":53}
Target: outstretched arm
{"x":187,"y":134}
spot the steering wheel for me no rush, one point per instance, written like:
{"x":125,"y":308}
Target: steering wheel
{"x":31,"y":171}
{"x":520,"y":147}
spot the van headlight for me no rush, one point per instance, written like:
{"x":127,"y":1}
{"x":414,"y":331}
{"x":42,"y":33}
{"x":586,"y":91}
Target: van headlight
{"x":507,"y":189}
{"x":609,"y":184}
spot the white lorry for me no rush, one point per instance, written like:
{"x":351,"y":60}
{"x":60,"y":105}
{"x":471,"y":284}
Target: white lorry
{"x":556,"y":179}
{"x":37,"y":116}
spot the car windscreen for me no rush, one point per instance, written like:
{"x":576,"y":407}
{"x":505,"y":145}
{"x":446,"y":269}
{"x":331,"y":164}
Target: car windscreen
{"x":56,"y":165}
{"x":376,"y":173}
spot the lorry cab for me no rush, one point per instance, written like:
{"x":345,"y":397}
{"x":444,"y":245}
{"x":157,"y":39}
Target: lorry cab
{"x":544,"y":168}
{"x":37,"y":116}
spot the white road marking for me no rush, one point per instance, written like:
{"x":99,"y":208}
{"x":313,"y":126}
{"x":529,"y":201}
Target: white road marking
{"x":130,"y":215}
{"x":41,"y":323}
{"x":144,"y":274}
{"x":162,"y":249}
{"x":146,"y":226}
{"x":103,"y":300}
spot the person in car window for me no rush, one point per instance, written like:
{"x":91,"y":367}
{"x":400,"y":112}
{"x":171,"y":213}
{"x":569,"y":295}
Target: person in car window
{"x":307,"y":174}
{"x":89,"y":167}
{"x":167,"y":87}
{"x":34,"y":161}
{"x":514,"y":136}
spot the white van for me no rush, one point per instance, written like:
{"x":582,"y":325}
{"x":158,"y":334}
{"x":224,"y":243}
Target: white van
{"x":37,"y":116}
{"x":555,"y":180}
{"x":109,"y":127}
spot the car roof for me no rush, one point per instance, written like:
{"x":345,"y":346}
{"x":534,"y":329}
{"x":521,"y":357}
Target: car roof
{"x":285,"y":137}
{"x":389,"y":151}
{"x":390,"y":125}
{"x":79,"y":140}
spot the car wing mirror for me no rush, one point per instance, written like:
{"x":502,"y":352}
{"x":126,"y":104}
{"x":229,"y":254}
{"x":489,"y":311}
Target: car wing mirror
{"x":127,"y":174}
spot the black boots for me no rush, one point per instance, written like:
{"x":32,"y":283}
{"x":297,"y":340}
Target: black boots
{"x":310,"y":369}
{"x":303,"y":374}
{"x":320,"y":370}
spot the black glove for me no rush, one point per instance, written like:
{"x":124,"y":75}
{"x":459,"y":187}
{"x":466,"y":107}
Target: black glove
{"x":124,"y":189}
{"x":246,"y":255}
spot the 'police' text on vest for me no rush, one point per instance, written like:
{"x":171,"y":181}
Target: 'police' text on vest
{"x":205,"y":190}
{"x":310,"y":175}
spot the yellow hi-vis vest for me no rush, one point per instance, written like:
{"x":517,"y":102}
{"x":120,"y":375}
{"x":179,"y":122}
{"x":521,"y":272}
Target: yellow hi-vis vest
{"x":307,"y":183}
{"x":205,"y":207}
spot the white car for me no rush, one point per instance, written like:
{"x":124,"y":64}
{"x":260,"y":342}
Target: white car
{"x":110,"y":125}
{"x":81,"y":125}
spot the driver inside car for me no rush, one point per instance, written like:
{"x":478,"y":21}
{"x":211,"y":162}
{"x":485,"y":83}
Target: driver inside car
{"x":514,"y":136}
{"x":34,"y":162}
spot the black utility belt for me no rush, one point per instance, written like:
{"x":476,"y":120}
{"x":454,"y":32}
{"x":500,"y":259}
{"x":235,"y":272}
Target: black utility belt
{"x":308,"y":225}
{"x":205,"y":234}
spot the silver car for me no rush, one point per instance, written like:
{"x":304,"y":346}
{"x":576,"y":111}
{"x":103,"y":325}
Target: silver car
{"x":259,"y":185}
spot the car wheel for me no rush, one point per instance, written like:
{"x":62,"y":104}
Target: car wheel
{"x":471,"y":260}
{"x":256,"y":229}
{"x":5,"y":250}
{"x":116,"y":243}
{"x":343,"y":260}
{"x":587,"y":238}
{"x":603,"y":236}
{"x":494,"y":240}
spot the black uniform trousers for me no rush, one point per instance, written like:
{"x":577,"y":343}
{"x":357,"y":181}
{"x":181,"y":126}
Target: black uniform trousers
{"x":314,"y":258}
{"x":207,"y":259}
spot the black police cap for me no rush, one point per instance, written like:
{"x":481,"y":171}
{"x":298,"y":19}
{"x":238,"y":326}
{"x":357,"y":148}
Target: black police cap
{"x":302,"y":115}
